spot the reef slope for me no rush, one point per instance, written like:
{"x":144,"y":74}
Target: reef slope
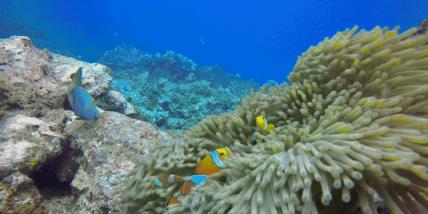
{"x":351,"y":132}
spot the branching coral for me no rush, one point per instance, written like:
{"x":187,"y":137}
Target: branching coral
{"x":351,"y":132}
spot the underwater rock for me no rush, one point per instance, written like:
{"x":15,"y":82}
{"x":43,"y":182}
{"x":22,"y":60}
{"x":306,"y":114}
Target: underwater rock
{"x":94,"y":157}
{"x":110,"y":146}
{"x":26,"y":143}
{"x":4,"y":58}
{"x":25,"y":80}
{"x":423,"y":27}
{"x":19,"y":195}
{"x":115,"y":101}
{"x":96,"y":77}
{"x":33,"y":80}
{"x":61,"y":162}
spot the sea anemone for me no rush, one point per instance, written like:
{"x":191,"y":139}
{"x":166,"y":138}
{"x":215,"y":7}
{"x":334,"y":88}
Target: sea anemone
{"x":351,"y":133}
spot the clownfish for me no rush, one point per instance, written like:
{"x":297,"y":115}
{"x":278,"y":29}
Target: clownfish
{"x":208,"y":165}
{"x":213,"y":162}
{"x":194,"y":181}
{"x":262,"y":123}
{"x":165,"y":180}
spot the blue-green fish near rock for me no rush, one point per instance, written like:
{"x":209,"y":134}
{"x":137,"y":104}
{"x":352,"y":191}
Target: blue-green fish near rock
{"x":80,"y":100}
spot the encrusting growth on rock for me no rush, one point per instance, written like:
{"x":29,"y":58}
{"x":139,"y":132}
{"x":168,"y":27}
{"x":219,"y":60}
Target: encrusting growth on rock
{"x":351,"y":130}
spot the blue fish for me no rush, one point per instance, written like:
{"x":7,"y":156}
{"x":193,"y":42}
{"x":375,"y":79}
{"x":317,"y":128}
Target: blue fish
{"x":80,"y":100}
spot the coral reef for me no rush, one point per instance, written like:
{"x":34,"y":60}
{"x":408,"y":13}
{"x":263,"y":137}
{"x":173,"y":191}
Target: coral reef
{"x":172,"y":91}
{"x":350,"y":132}
{"x":127,"y":57}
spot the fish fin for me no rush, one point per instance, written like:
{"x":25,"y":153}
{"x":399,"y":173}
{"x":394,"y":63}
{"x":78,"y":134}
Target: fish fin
{"x":198,"y":179}
{"x":93,"y":102}
{"x":76,"y":77}
{"x":70,"y":99}
{"x":270,"y":127}
{"x":185,"y":188}
{"x":178,"y":178}
{"x":158,"y":182}
{"x":201,"y":164}
{"x":172,"y":201}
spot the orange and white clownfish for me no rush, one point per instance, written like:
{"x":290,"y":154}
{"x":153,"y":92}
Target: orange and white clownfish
{"x":213,"y":162}
{"x":208,"y":165}
{"x":165,"y":180}
{"x":194,"y":180}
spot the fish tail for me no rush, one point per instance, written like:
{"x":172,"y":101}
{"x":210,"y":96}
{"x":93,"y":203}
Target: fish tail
{"x":185,"y":188}
{"x":270,"y":127}
{"x":172,"y":201}
{"x":177,"y":178}
{"x":166,"y":180}
{"x":76,"y":77}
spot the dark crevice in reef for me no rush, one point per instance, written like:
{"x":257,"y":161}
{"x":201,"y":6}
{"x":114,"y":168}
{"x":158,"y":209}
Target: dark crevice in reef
{"x":66,"y":105}
{"x":54,"y":178}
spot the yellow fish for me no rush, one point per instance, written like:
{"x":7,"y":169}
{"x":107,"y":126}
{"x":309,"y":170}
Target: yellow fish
{"x":262,"y":123}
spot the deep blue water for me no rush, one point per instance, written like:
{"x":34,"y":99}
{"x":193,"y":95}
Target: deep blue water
{"x":257,"y":39}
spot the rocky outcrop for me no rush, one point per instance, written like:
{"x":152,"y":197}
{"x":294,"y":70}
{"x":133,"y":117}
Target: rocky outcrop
{"x":110,"y":146}
{"x":115,"y":101}
{"x":33,"y":80}
{"x":90,"y":159}
{"x":19,"y":195}
{"x":26,"y":80}
{"x":26,"y":145}
{"x":96,"y":77}
{"x":27,"y":142}
{"x":51,"y":161}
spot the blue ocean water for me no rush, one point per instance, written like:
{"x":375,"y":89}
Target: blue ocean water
{"x":257,"y":39}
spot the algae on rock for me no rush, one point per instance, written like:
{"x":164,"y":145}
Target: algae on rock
{"x":351,"y":131}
